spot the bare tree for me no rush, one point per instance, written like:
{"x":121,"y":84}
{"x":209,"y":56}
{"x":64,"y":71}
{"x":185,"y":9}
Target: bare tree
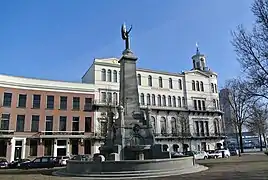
{"x":251,"y":49}
{"x":239,"y":102}
{"x":257,"y":122}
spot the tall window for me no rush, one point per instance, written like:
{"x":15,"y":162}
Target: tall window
{"x":214,"y":103}
{"x":179,"y":101}
{"x":212,"y":87}
{"x":76,"y":103}
{"x":202,"y":128}
{"x":153,"y":100}
{"x":169,"y":101}
{"x":195,"y":105}
{"x":103,"y":75}
{"x":36,"y":101}
{"x":88,"y":104}
{"x":50,"y":102}
{"x":103,"y":97}
{"x":63,"y":123}
{"x":109,"y":75}
{"x":109,"y":97}
{"x":5,"y":122}
{"x":202,"y":86}
{"x":215,"y":87}
{"x":164,"y":100}
{"x":207,"y":129}
{"x":115,"y":76}
{"x":35,"y":123}
{"x":163,"y":126}
{"x":199,"y":105}
{"x":139,"y":79}
{"x":180,"y":84}
{"x":150,"y":81}
{"x":197,"y":86}
{"x":22,"y":100}
{"x":183,"y":102}
{"x":63,"y":102}
{"x":7,"y":99}
{"x":193,"y":85}
{"x":160,"y":82}
{"x":216,"y":127}
{"x":159,"y":100}
{"x":170,"y":83}
{"x":142,"y":98}
{"x":148,"y":99}
{"x":173,"y":125}
{"x":197,"y":128}
{"x":49,"y":123}
{"x":115,"y":101}
{"x":33,"y":147}
{"x":88,"y":122}
{"x":153,"y":123}
{"x":174,"y":101}
{"x":20,"y":123}
{"x":75,"y":124}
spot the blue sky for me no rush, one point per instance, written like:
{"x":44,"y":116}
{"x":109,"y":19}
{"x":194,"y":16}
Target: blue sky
{"x":58,"y":39}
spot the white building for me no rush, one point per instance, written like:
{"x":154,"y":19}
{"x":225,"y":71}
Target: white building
{"x":184,"y":107}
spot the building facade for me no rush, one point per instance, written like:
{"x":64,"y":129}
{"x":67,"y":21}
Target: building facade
{"x":185,"y":112}
{"x":41,"y":117}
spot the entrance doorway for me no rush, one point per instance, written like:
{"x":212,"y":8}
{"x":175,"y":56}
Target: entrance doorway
{"x":203,"y":146}
{"x":61,"y":147}
{"x":18,"y":149}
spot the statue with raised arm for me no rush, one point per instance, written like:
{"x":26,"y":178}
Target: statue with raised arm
{"x":125,"y":35}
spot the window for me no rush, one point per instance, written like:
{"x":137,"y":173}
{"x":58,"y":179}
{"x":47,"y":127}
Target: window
{"x":109,"y":97}
{"x":217,"y":104}
{"x":197,"y":128}
{"x":142,"y":98}
{"x":75,"y":124}
{"x":5,"y":122}
{"x":7,"y":99}
{"x":159,"y":100}
{"x":153,"y":100}
{"x":22,"y":100}
{"x":214,"y":103}
{"x":179,"y":101}
{"x":173,"y":125}
{"x":216,"y":127}
{"x":174,"y":101}
{"x":169,"y":101}
{"x":215,"y":87}
{"x":197,"y":86}
{"x":180,"y":84}
{"x":204,"y":105}
{"x":36,"y":101}
{"x":139,"y":79}
{"x":50,"y":102}
{"x":20,"y":123}
{"x":88,"y":124}
{"x":199,"y":105}
{"x":35,"y":123}
{"x":183,"y":102}
{"x":103,"y":75}
{"x":88,"y":104}
{"x":164,"y":100}
{"x":193,"y":85}
{"x":63,"y":121}
{"x":76,"y":103}
{"x":207,"y":129}
{"x":49,"y":123}
{"x":115,"y":98}
{"x":195,"y":105}
{"x":115,"y":76}
{"x":160,"y":82}
{"x":109,"y":75}
{"x":163,"y":125}
{"x":148,"y":99}
{"x":153,"y":124}
{"x":170,"y":83}
{"x":33,"y":147}
{"x":212,"y":87}
{"x":103,"y":97}
{"x":150,"y":81}
{"x":202,"y":128}
{"x":202,"y":86}
{"x":63,"y":103}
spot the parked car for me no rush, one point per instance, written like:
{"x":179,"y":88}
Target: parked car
{"x":40,"y":162}
{"x":177,"y":155}
{"x":62,"y":160}
{"x":17,"y":163}
{"x":3,"y":163}
{"x":225,"y":153}
{"x":197,"y":154}
{"x":214,"y":154}
{"x":234,"y":152}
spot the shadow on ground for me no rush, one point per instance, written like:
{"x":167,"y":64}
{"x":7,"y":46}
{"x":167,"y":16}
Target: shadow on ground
{"x":14,"y":172}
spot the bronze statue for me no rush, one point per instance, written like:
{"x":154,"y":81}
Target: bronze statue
{"x":125,"y":34}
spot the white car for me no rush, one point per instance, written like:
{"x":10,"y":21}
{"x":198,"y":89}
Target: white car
{"x":214,"y":154}
{"x":63,"y":160}
{"x":197,"y":154}
{"x":226,"y":152}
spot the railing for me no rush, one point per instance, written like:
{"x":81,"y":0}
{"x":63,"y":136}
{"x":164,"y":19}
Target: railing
{"x":172,"y":134}
{"x":6,"y":132}
{"x":55,"y":133}
{"x":201,"y":134}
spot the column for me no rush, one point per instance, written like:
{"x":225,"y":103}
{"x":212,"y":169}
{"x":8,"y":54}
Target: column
{"x":40,"y":148}
{"x":68,"y":152}
{"x":81,"y":148}
{"x":9,"y":155}
{"x":55,"y":148}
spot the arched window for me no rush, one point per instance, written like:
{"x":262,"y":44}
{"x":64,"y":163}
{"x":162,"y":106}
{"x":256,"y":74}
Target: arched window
{"x":139,"y":79}
{"x":197,"y":86}
{"x":115,"y":98}
{"x":153,"y":99}
{"x":159,"y":100}
{"x":215,"y":86}
{"x":202,"y":86}
{"x":212,"y":87}
{"x":164,"y":100}
{"x":183,"y":102}
{"x":170,"y":83}
{"x":214,"y":103}
{"x":148,"y":99}
{"x":153,"y":123}
{"x":160,"y":82}
{"x":180,"y":84}
{"x":103,"y":75}
{"x":169,"y":101}
{"x":216,"y":127}
{"x":173,"y":126}
{"x":179,"y":101}
{"x":163,"y":125}
{"x":174,"y":101}
{"x":109,"y":75}
{"x":217,"y":103}
{"x":193,"y":85}
{"x":115,"y":76}
{"x":150,"y":83}
{"x":142,"y":99}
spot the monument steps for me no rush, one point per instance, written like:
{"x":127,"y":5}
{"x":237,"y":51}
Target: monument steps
{"x":134,"y":174}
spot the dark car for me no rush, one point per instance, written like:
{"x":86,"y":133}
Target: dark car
{"x":17,"y":163}
{"x":3,"y":163}
{"x":40,"y":162}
